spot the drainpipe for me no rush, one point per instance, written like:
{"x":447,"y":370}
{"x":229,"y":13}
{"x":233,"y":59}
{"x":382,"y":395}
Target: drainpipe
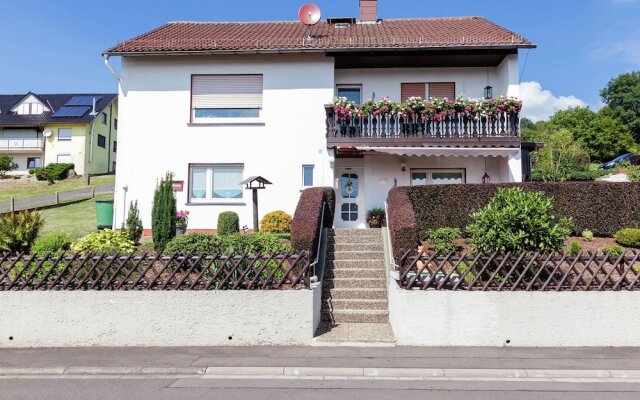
{"x":110,"y":68}
{"x":109,"y":148}
{"x":91,"y":143}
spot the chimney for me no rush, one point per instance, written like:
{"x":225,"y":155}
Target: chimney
{"x":368,"y":10}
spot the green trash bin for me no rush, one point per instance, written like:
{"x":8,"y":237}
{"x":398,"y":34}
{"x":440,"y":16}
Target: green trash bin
{"x":104,"y":214}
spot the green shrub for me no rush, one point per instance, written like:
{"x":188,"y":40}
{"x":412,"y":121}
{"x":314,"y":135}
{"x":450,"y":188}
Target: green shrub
{"x":163,"y":213}
{"x":633,"y":173}
{"x":134,"y":223}
{"x":6,"y":164}
{"x":276,"y":222}
{"x":515,"y":221}
{"x":629,"y":237}
{"x":228,"y":223}
{"x":19,"y":230}
{"x":444,"y":240}
{"x":574,"y":248}
{"x":53,"y":171}
{"x":194,"y":243}
{"x":104,"y":242}
{"x":54,"y":243}
{"x":587,"y":235}
{"x":613,"y":250}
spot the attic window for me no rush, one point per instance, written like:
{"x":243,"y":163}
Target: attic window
{"x":341,"y":22}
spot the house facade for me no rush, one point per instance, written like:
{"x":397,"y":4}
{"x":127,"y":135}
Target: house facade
{"x":40,"y":129}
{"x":215,"y":103}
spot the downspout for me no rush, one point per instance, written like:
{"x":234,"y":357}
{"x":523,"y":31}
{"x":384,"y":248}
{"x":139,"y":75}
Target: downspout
{"x":91,"y":142}
{"x":109,"y":145}
{"x":110,"y":68}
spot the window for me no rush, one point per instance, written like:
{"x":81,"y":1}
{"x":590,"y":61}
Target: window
{"x":226,"y":96}
{"x":216,"y":182}
{"x":63,"y":159}
{"x":113,"y":166}
{"x":307,"y":175}
{"x":64,"y":133}
{"x":351,"y":92}
{"x":412,"y":90}
{"x":440,"y":90}
{"x":102,"y":141}
{"x":104,"y":118}
{"x":115,"y":146}
{"x":421,"y":177}
{"x":115,"y":123}
{"x":33,"y":162}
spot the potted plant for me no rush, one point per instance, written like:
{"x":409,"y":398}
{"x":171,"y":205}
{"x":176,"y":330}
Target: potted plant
{"x":182,"y":219}
{"x":376,"y":217}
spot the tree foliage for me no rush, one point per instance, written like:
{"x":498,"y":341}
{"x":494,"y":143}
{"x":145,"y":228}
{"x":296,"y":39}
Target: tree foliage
{"x":622,"y":95}
{"x":134,"y":223}
{"x":560,"y":157}
{"x":6,"y":164}
{"x":163,"y":214}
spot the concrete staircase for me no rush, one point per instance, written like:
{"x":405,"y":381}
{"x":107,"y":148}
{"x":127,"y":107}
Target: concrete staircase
{"x":354,"y":287}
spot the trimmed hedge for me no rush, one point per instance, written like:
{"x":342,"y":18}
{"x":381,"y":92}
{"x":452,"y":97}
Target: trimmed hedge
{"x":602,"y":207}
{"x":228,"y":223}
{"x":402,"y":224}
{"x":305,"y":228}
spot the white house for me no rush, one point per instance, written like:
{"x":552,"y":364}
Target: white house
{"x":215,"y":103}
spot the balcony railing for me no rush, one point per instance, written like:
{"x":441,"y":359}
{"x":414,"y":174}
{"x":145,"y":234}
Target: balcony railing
{"x":418,"y":130}
{"x":21,"y":144}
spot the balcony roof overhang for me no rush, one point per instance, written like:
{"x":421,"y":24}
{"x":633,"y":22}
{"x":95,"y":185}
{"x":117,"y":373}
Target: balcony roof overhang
{"x":443,"y":151}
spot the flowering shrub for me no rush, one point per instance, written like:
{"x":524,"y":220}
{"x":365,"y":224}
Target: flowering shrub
{"x":435,"y":109}
{"x":182,"y":217}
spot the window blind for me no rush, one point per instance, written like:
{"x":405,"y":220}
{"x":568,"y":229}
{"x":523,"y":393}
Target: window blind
{"x":412,"y":90}
{"x":441,"y":90}
{"x":226,"y":91}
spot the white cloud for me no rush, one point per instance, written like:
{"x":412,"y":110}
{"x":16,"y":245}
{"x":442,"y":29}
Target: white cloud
{"x":623,"y":46}
{"x":540,"y":104}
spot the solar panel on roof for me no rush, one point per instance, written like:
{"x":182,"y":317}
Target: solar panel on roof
{"x":71,"y":111}
{"x":82,"y":100}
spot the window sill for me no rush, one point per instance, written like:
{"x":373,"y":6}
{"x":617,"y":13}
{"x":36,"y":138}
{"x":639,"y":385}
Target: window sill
{"x":216,"y":203}
{"x":228,"y":121}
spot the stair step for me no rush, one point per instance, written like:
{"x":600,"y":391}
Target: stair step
{"x":355,"y":239}
{"x":355,"y":304}
{"x":357,"y":255}
{"x":355,"y":273}
{"x":356,"y":247}
{"x":329,"y":294}
{"x":356,"y":316}
{"x":373,"y":283}
{"x":356,"y":232}
{"x":353,"y":264}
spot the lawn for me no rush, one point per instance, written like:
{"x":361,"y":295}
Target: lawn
{"x":76,"y":220}
{"x":22,"y":190}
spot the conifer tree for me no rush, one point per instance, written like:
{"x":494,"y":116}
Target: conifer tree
{"x":163,"y":214}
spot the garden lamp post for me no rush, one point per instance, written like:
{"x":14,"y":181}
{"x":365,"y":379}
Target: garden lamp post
{"x":255,"y":183}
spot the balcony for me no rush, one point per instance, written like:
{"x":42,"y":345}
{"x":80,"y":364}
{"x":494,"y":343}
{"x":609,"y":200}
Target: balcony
{"x":21,"y":145}
{"x":418,"y":130}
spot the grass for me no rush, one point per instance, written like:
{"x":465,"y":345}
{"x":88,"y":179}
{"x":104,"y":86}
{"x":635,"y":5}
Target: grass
{"x":76,"y":220}
{"x":22,"y":190}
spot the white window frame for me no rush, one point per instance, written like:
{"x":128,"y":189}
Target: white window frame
{"x":36,"y":160}
{"x":209,"y":199}
{"x":350,"y":86}
{"x":431,"y":171}
{"x":65,"y":138}
{"x":313,"y":175}
{"x":226,"y":120}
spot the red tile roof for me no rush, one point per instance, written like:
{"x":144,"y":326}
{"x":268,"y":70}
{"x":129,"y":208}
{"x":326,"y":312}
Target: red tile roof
{"x":211,"y":37}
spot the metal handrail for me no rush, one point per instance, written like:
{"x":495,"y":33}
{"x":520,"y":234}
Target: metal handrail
{"x":391,"y":260}
{"x":317,"y":259}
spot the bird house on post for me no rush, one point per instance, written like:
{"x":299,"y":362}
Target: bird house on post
{"x":255,"y":183}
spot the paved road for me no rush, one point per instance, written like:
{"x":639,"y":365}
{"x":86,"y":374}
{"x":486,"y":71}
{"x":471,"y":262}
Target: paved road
{"x":194,"y":373}
{"x":63,"y":196}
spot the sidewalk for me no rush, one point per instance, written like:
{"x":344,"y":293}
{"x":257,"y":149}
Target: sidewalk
{"x":403,"y":363}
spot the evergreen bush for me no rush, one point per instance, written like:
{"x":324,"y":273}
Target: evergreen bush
{"x":18,"y":230}
{"x":228,"y":223}
{"x":54,"y":243}
{"x":134,"y":223}
{"x":276,"y":222}
{"x":163,"y":214}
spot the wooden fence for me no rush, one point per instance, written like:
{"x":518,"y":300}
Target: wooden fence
{"x":145,"y":272}
{"x":520,"y":272}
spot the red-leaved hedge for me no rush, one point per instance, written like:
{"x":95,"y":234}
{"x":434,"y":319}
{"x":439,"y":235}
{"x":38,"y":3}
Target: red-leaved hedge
{"x":602,"y":207}
{"x":402,"y":224}
{"x":305,"y":228}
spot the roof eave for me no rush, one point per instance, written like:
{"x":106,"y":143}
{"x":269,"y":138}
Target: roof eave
{"x":312,"y":50}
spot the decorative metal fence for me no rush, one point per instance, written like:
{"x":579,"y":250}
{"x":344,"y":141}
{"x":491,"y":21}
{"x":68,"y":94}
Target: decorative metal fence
{"x":520,"y":272}
{"x":145,"y":272}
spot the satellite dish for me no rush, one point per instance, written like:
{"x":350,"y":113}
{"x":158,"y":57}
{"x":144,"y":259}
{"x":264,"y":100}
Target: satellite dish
{"x":309,"y":14}
{"x":46,"y":133}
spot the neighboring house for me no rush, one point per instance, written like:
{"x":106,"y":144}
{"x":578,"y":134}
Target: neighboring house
{"x":39,"y":129}
{"x":218,"y":102}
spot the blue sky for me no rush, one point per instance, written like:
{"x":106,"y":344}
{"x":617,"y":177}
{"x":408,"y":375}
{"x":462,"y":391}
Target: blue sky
{"x":55,"y":46}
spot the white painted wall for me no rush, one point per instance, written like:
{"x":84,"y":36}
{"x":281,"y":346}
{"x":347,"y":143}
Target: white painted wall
{"x":158,"y":318}
{"x":526,"y":319}
{"x":155,"y":136}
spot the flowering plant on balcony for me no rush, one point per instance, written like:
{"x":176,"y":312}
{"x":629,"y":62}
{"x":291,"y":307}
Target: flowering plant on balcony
{"x":182,"y":217}
{"x":413,"y":105}
{"x":345,"y":109}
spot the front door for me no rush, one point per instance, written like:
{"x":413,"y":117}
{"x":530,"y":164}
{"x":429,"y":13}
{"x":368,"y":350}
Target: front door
{"x":350,"y":212}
